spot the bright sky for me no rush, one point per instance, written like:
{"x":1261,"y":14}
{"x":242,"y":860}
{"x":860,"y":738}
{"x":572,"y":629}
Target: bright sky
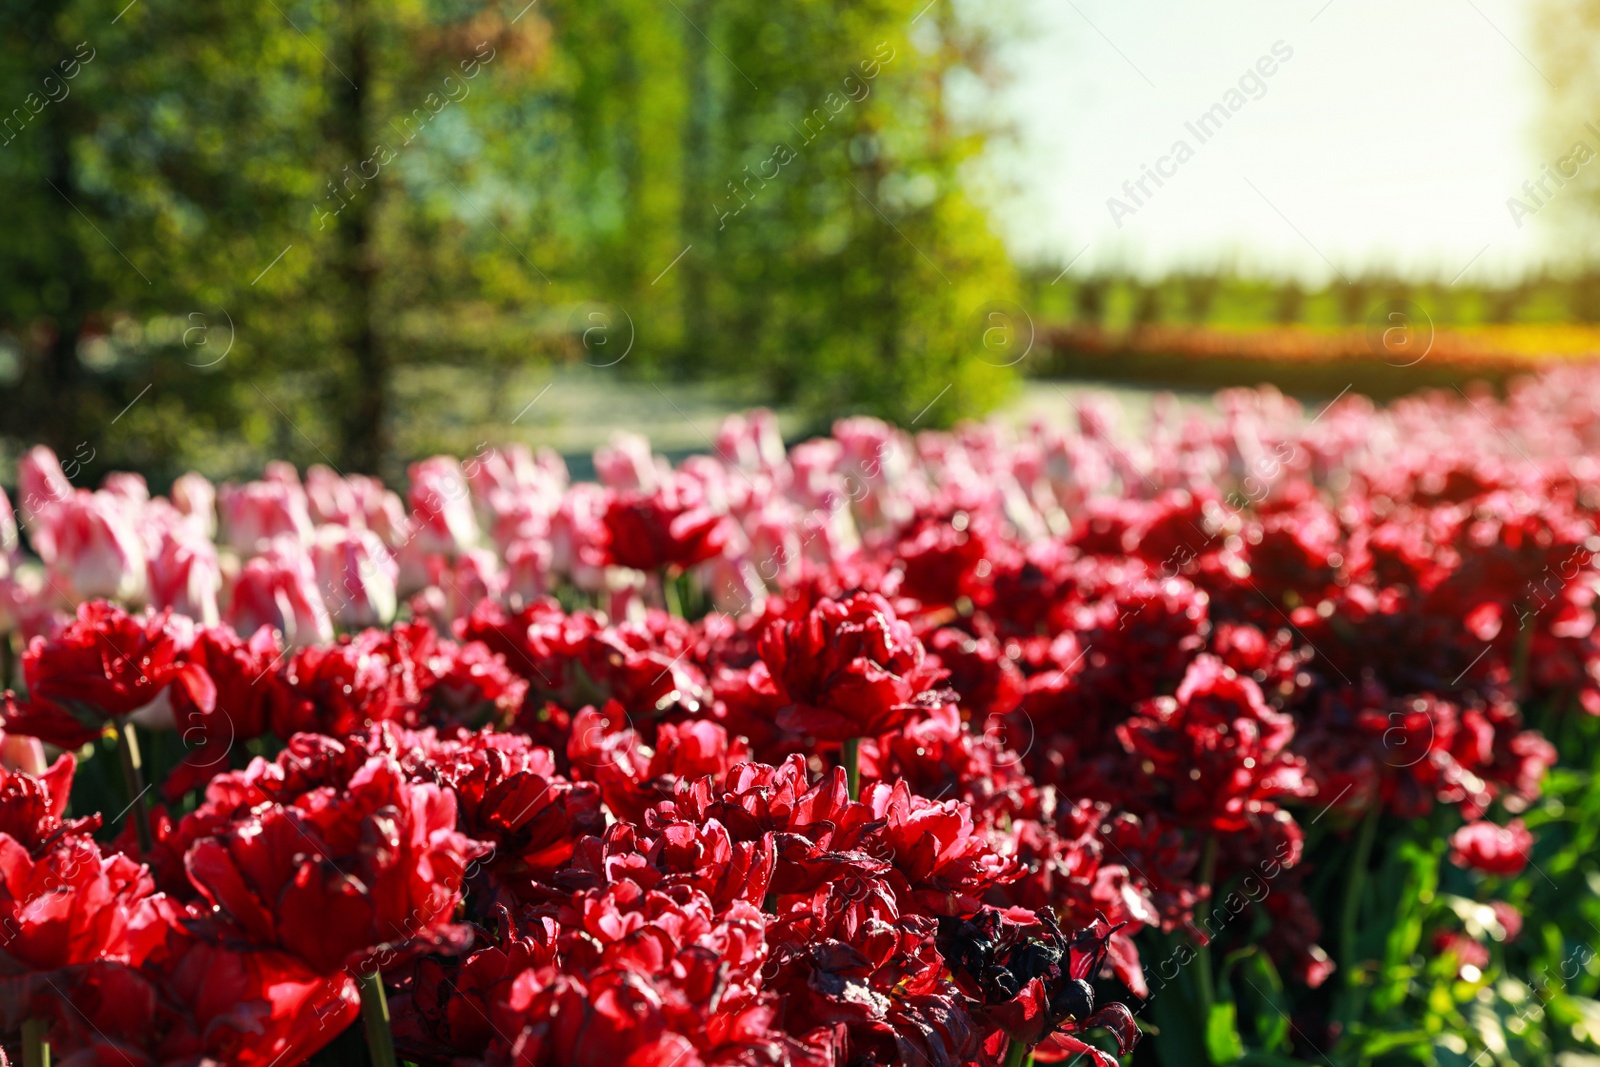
{"x":1392,"y":137}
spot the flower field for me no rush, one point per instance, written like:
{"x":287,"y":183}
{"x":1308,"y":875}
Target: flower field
{"x":1267,"y":738}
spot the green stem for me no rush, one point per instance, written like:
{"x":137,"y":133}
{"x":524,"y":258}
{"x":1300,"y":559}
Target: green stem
{"x":851,"y":758}
{"x":375,"y":1019}
{"x":133,"y":778}
{"x":669,"y":594}
{"x":1202,"y":955}
{"x":1017,"y":1054}
{"x":8,"y":659}
{"x":35,"y":1043}
{"x":1519,"y":664}
{"x":1352,"y":893}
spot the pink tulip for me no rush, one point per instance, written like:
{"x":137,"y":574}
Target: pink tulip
{"x":25,"y":601}
{"x":578,"y":536}
{"x":441,"y":506}
{"x":279,"y":589}
{"x":332,"y":499}
{"x":41,"y":489}
{"x":128,"y":487}
{"x":518,"y":515}
{"x":282,"y":472}
{"x":98,"y":552}
{"x":196,"y":499}
{"x":470,"y":577}
{"x":500,"y":469}
{"x":8,"y":526}
{"x":25,"y":754}
{"x":527,"y":571}
{"x":627,"y":464}
{"x":40,"y":478}
{"x":734,"y":585}
{"x":751,"y":441}
{"x":382,"y":509}
{"x":775,"y":545}
{"x":186,"y":577}
{"x":255,"y":513}
{"x":357,"y":575}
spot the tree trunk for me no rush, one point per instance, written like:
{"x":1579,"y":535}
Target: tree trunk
{"x":52,"y":401}
{"x":364,"y":408}
{"x":697,"y":194}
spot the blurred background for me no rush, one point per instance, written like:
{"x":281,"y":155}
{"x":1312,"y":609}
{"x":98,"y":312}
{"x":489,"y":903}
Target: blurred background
{"x":361,"y":231}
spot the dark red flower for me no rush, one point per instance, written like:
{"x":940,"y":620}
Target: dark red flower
{"x":474,"y":686}
{"x":369,"y":677}
{"x":1483,"y":846}
{"x":445,"y":1012}
{"x":244,"y":675}
{"x":511,"y":798}
{"x":672,"y":526}
{"x":205,"y":1003}
{"x":105,"y":664}
{"x":72,"y":905}
{"x":33,"y":808}
{"x":346,"y":876}
{"x":1219,"y":751}
{"x":1031,"y":982}
{"x":847,"y":669}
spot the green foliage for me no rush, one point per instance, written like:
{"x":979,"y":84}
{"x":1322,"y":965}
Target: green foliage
{"x":1395,"y":998}
{"x":332,"y":191}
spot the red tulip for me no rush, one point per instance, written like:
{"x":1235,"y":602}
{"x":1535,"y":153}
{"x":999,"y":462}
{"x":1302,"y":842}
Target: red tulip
{"x":33,"y":808}
{"x":672,"y":526}
{"x":106,"y":664}
{"x":343,"y":877}
{"x":848,"y":669}
{"x":73,"y":905}
{"x":1500,"y":850}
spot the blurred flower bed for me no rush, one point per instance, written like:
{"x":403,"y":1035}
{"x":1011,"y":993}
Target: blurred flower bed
{"x":1267,"y":738}
{"x":1386,"y":358}
{"x":1512,"y":343}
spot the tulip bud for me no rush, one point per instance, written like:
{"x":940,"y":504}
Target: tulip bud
{"x":441,"y":506}
{"x":471,"y":577}
{"x":8,"y":525}
{"x":196,"y":499}
{"x":527,"y":571}
{"x":332,"y":499}
{"x":255,"y":513}
{"x":627,"y":464}
{"x":279,"y":589}
{"x":18,"y":753}
{"x":98,"y":553}
{"x":40,"y":478}
{"x":357,"y":576}
{"x":186,"y":577}
{"x":41,"y":488}
{"x":127,"y":487}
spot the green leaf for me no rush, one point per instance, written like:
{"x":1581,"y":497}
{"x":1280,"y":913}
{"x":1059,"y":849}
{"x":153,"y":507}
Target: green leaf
{"x":1272,"y":1010}
{"x":1222,"y":1034}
